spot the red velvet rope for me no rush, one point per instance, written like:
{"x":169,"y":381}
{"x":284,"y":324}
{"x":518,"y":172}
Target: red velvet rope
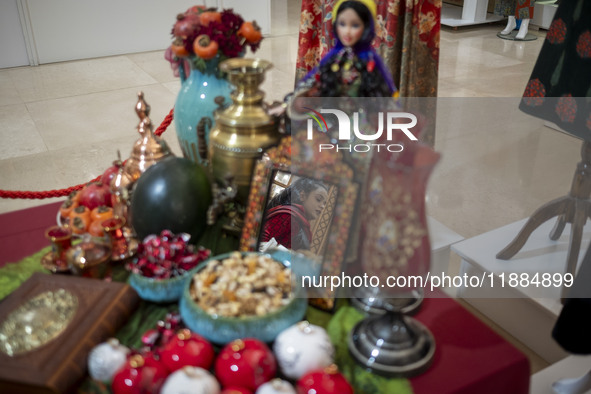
{"x":64,"y":192}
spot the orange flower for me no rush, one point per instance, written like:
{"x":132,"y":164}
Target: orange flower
{"x":310,"y":57}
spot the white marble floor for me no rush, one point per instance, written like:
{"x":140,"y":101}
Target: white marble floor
{"x":62,"y":124}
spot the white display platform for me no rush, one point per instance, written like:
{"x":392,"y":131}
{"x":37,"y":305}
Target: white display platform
{"x":544,"y":14}
{"x":442,"y":237}
{"x":570,"y":367}
{"x":474,"y":12}
{"x":520,"y":311}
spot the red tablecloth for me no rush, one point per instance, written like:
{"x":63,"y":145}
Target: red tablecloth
{"x":22,"y":233}
{"x":469,"y":358}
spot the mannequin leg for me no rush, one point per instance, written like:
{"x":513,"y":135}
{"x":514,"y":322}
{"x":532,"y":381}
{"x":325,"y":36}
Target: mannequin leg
{"x":511,"y":23}
{"x":573,"y":386}
{"x":522,"y":29}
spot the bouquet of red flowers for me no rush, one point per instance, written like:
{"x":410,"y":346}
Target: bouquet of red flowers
{"x":201,"y":34}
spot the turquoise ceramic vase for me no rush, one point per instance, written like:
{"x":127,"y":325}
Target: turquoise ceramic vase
{"x":195,"y":105}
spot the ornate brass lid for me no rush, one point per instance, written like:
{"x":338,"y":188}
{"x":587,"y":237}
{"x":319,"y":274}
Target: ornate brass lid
{"x":37,"y":322}
{"x":246,"y":111}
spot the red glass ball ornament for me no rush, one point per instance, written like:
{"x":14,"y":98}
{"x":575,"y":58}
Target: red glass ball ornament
{"x":324,"y":381}
{"x":187,"y":348}
{"x":245,"y":363}
{"x":140,"y":374}
{"x":236,"y":390}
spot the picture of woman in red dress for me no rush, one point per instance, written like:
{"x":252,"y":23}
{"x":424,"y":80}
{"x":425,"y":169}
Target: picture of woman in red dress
{"x":289,"y":213}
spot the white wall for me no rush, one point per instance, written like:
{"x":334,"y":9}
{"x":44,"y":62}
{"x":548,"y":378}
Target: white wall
{"x":13,"y":51}
{"x":60,"y":30}
{"x":79,"y":29}
{"x":257,"y":10}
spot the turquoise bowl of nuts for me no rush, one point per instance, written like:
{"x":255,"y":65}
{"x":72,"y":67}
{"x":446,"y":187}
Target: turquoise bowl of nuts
{"x":242,"y":295}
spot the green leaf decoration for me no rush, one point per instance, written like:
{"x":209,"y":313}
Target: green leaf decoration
{"x":199,"y":64}
{"x":12,"y":275}
{"x":362,"y":380}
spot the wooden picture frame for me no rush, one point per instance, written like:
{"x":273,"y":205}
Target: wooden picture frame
{"x":334,"y":228}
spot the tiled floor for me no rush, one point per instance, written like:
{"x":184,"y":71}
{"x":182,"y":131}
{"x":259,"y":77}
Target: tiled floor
{"x":62,"y":124}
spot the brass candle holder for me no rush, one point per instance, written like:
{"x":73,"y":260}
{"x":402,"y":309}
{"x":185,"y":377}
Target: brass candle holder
{"x":122,"y":245}
{"x":395,"y":241}
{"x":61,"y":242}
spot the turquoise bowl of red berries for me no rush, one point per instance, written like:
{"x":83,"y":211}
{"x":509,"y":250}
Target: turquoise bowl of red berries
{"x":160,"y":272}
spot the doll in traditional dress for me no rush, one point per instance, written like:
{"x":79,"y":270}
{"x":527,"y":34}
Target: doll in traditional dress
{"x":352,"y":68}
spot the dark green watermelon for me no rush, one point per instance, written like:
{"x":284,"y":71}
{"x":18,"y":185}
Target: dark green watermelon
{"x":173,"y":194}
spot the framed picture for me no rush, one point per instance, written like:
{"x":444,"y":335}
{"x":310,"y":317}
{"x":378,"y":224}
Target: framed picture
{"x":304,"y":207}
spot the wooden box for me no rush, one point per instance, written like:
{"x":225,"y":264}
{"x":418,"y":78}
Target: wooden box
{"x":57,"y":366}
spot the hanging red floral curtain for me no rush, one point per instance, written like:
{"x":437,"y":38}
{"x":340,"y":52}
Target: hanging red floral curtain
{"x":407,"y":39}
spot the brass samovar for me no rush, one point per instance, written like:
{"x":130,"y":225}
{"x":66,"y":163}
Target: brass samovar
{"x":244,"y":130}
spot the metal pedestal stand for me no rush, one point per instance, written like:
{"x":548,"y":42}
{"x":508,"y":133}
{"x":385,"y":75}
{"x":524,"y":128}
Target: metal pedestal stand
{"x":393,"y":344}
{"x":574,"y":208}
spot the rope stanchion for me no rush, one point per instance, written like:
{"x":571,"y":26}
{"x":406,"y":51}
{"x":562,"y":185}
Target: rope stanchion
{"x":165,"y":123}
{"x":32,"y":195}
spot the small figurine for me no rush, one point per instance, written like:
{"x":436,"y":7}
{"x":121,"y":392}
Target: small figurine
{"x":352,"y":68}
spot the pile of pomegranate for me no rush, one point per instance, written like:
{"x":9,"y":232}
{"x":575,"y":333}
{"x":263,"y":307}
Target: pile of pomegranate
{"x":85,"y":210}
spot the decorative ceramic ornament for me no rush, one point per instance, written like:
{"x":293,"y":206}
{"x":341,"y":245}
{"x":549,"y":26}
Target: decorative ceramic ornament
{"x":140,"y":374}
{"x":301,"y":348}
{"x":105,"y":359}
{"x":245,"y":363}
{"x":326,"y":381}
{"x":236,"y":390}
{"x":187,"y":349}
{"x":191,"y":380}
{"x":276,"y":386}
